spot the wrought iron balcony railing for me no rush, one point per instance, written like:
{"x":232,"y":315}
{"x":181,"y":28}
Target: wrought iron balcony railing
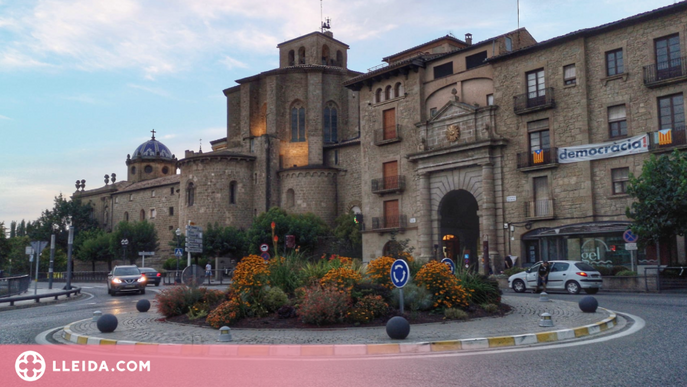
{"x":389,"y":184}
{"x":387,"y":135}
{"x":668,"y":138}
{"x":542,"y":208}
{"x":659,"y":73}
{"x":543,"y":157}
{"x":389,"y":222}
{"x":530,"y":102}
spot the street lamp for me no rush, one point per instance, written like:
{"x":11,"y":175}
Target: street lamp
{"x":176,"y":277}
{"x":55,"y":228}
{"x":70,"y":242}
{"x":124,"y":243}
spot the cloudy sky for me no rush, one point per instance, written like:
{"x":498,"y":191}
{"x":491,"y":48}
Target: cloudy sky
{"x":82,"y":82}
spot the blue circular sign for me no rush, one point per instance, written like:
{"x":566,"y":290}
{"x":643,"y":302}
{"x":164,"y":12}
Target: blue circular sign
{"x":265,"y":256}
{"x":400,"y":273}
{"x":450,"y":263}
{"x":629,"y":236}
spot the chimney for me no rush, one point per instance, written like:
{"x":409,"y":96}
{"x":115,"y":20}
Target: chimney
{"x":468,"y":39}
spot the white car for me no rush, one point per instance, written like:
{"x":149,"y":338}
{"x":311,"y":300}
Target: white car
{"x":572,"y":276}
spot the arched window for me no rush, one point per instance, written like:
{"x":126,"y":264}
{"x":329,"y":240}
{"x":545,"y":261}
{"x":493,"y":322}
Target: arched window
{"x":398,"y":90}
{"x":190,"y":194}
{"x":143,"y":215}
{"x":330,"y":123}
{"x":387,"y":93}
{"x":378,"y":96}
{"x":292,"y":58}
{"x":325,"y":55}
{"x":232,"y":192}
{"x":290,"y":198}
{"x":126,"y":216}
{"x":339,"y":58}
{"x":301,"y":55}
{"x":297,"y":123}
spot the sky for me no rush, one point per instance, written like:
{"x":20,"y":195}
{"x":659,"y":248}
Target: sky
{"x":83,"y":82}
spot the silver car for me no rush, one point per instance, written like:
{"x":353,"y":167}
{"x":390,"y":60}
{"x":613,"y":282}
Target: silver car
{"x":571,"y":276}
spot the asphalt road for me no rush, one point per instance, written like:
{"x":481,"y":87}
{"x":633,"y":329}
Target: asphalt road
{"x":653,"y":356}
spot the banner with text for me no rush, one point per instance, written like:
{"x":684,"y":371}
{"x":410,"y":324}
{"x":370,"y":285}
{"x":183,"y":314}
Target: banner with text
{"x":624,"y":147}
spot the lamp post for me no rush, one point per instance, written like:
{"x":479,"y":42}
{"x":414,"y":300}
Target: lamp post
{"x":70,"y":242}
{"x":55,"y":227}
{"x":176,"y":277}
{"x":124,"y":243}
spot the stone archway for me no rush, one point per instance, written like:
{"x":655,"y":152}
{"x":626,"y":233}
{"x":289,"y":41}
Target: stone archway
{"x":459,"y":227}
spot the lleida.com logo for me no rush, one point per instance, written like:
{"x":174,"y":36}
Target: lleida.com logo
{"x":30,"y":366}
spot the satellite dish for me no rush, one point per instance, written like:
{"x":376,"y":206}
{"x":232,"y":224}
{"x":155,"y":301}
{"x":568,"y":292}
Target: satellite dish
{"x":193,"y":275}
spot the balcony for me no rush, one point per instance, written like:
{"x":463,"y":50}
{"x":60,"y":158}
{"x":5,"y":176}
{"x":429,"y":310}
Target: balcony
{"x":532,"y":102}
{"x":388,"y":135}
{"x":668,"y":138}
{"x":546,"y":158}
{"x":388,"y":184}
{"x":539,"y":209}
{"x":398,"y":222}
{"x":665,"y":72}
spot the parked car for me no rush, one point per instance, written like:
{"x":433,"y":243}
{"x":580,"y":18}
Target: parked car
{"x":126,"y":279}
{"x":571,"y":276}
{"x":152,"y":275}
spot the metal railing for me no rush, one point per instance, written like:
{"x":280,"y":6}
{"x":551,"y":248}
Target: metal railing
{"x":37,"y":297}
{"x":528,"y":102}
{"x":10,"y":286}
{"x":394,"y":183}
{"x":393,"y":134}
{"x":221,"y":276}
{"x":542,"y":208}
{"x":533,"y":159}
{"x":389,"y":222}
{"x":664,"y":71}
{"x":668,"y":138}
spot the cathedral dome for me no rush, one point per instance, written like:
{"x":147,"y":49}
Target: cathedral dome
{"x":152,"y":149}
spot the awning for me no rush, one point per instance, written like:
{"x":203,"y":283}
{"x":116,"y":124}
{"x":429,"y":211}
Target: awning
{"x":578,"y":229}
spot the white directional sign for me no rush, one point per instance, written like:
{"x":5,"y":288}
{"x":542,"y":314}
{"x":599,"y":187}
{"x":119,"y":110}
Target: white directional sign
{"x":194,"y":239}
{"x":630,"y":246}
{"x":146,"y":253}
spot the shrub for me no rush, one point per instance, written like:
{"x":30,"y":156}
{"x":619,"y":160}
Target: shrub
{"x":250,"y":275}
{"x":312,"y":272}
{"x":378,"y":270}
{"x":482,"y":290}
{"x":367,"y":287}
{"x":198,"y":310}
{"x":326,"y":305}
{"x":286,"y":311}
{"x":455,"y":314}
{"x":415,"y":297}
{"x":344,"y":278}
{"x":171,"y":264}
{"x":626,"y":273}
{"x":274,"y":298}
{"x":212,"y":297}
{"x":368,"y":308}
{"x":227,"y":313}
{"x":444,"y":286}
{"x":490,"y":308}
{"x":609,"y":271}
{"x":284,"y":273}
{"x":514,"y":270}
{"x":177,"y":300}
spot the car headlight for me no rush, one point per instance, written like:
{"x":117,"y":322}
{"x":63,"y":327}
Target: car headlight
{"x":116,"y":281}
{"x":142,"y":279}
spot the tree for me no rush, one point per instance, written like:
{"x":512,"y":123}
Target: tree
{"x":306,"y":227}
{"x":4,"y":245}
{"x":660,"y":209}
{"x":82,"y":220}
{"x":94,"y":245}
{"x":224,"y":241}
{"x":348,"y":238}
{"x":141,"y":236}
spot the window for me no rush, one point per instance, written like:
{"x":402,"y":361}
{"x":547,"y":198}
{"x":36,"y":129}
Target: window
{"x":509,"y":44}
{"x":165,"y":170}
{"x":336,"y":157}
{"x":251,"y":145}
{"x":432,"y":112}
{"x":142,"y":215}
{"x":620,"y":177}
{"x":153,"y":213}
{"x":325,"y":55}
{"x":541,"y":196}
{"x":116,"y":199}
{"x":398,"y":90}
{"x":387,"y":93}
{"x":171,"y":211}
{"x":536,"y":88}
{"x":378,"y":95}
{"x":614,"y":62}
{"x":389,"y":124}
{"x":152,"y":193}
{"x":148,"y":169}
{"x":290,"y":198}
{"x":490,"y":99}
{"x":390,"y":175}
{"x":297,"y":123}
{"x":131,"y":197}
{"x":539,"y":135}
{"x":126,"y":216}
{"x":232,"y":192}
{"x":190,"y":194}
{"x":171,"y":190}
{"x":292,"y":58}
{"x":617,"y":122}
{"x":391,"y":215}
{"x":475,"y":60}
{"x":301,"y":55}
{"x":133,"y":170}
{"x":444,"y":70}
{"x":339,"y":58}
{"x":330,"y":123}
{"x":671,"y":112}
{"x":569,"y":75}
{"x":668,"y":60}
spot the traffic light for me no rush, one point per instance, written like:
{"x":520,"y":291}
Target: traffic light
{"x":613,"y":247}
{"x":358,"y":219}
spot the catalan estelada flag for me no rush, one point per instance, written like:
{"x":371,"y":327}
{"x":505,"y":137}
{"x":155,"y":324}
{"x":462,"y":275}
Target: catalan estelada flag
{"x":538,"y":156}
{"x":665,"y":137}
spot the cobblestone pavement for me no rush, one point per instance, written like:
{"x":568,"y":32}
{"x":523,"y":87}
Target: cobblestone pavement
{"x":524,"y":318}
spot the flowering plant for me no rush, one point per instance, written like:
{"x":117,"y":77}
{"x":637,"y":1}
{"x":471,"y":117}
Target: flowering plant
{"x":379,"y":270}
{"x":326,"y":305}
{"x":343,"y":278}
{"x":446,"y":289}
{"x":226,"y":313}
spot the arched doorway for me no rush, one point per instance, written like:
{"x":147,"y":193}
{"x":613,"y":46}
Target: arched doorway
{"x":459,"y":227}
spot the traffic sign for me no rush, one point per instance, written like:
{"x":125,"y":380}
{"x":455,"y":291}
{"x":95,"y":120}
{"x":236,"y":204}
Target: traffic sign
{"x":144,"y":253}
{"x":265,"y":256}
{"x":629,"y":236}
{"x":400,"y":273}
{"x":179,"y":252}
{"x":630,"y":246}
{"x":450,"y":263}
{"x":264,"y":248}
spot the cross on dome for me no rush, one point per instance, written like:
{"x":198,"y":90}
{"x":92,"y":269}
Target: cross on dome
{"x":153,"y":131}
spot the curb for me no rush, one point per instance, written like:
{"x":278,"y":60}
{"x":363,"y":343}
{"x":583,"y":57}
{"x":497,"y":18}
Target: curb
{"x":329,"y":350}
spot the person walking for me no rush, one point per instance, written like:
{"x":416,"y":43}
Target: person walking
{"x":543,"y":275}
{"x":208,"y":271}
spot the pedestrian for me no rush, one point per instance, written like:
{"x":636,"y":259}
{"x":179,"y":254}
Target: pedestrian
{"x":208,"y":271}
{"x":543,"y":275}
{"x":508,"y":262}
